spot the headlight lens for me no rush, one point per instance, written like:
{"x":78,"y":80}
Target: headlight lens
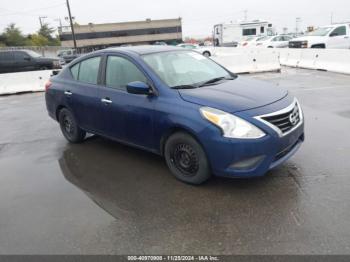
{"x":231,"y":126}
{"x":304,"y":43}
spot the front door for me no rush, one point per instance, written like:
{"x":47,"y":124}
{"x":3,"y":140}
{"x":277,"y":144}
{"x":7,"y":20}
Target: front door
{"x":339,"y":38}
{"x":23,"y":62}
{"x":126,"y":116}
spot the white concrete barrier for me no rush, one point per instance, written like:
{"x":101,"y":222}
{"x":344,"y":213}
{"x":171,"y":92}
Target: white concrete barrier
{"x":247,"y":60}
{"x":33,"y":81}
{"x":289,"y":57}
{"x":333,"y":60}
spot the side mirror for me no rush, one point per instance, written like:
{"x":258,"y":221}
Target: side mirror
{"x":138,"y":88}
{"x":333,"y":34}
{"x":27,"y":58}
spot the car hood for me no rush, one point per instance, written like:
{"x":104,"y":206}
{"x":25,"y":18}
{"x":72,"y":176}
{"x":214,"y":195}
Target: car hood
{"x":309,"y":38}
{"x":235,"y":95}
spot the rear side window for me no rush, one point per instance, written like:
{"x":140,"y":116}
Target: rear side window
{"x":20,"y":56}
{"x":6,"y":56}
{"x":87,"y":70}
{"x":120,"y":72}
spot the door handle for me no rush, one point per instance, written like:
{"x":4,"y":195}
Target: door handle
{"x":68,"y":93}
{"x":106,"y":101}
{"x":346,"y":37}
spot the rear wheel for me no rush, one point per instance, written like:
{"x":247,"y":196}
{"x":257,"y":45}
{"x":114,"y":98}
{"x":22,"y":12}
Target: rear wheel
{"x":69,"y":127}
{"x":186,"y":159}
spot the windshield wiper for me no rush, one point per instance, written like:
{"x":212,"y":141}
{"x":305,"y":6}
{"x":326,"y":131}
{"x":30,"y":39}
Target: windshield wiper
{"x":214,"y":80}
{"x":184,"y":87}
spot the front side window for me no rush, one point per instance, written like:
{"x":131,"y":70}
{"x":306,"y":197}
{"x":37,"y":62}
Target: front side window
{"x":20,"y":56}
{"x":120,"y":72}
{"x":88,"y":70}
{"x":75,"y":71}
{"x":178,"y":68}
{"x":339,"y":31}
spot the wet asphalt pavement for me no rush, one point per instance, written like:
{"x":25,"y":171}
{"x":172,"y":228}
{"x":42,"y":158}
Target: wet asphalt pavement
{"x":101,"y":197}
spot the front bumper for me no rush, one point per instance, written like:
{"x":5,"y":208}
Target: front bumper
{"x":239,"y":158}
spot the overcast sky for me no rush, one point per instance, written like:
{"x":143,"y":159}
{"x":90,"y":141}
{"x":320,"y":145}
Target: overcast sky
{"x":199,"y":16}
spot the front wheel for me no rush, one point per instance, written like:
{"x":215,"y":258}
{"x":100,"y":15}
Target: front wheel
{"x":207,"y":54}
{"x":186,"y":159}
{"x":69,"y":127}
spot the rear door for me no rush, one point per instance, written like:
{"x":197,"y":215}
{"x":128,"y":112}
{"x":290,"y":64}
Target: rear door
{"x":7,"y":62}
{"x":126,"y":116}
{"x":276,"y":41}
{"x":82,"y":94}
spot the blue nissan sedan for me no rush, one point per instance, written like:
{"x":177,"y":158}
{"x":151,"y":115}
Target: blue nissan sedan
{"x":177,"y":103}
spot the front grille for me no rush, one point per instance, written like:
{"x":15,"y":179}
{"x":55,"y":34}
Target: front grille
{"x":295,"y":44}
{"x":285,"y":121}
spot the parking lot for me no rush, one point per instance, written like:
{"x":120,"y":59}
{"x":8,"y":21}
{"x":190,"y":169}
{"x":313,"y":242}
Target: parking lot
{"x":101,"y":197}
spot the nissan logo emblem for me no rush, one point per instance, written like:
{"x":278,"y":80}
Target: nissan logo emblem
{"x":293,"y":117}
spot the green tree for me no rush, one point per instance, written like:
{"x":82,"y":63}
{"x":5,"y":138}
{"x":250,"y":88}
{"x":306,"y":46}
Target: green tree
{"x":12,"y":36}
{"x":38,"y":40}
{"x":46,"y":31}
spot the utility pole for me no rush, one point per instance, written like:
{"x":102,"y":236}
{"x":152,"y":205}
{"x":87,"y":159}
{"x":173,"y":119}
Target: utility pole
{"x":71,"y":25}
{"x":40,"y":20}
{"x":332,"y":18}
{"x":297,"y":21}
{"x":60,"y":24}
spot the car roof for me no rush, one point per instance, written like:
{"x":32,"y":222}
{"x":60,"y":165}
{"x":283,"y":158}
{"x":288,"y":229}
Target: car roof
{"x":143,"y":50}
{"x":15,"y":50}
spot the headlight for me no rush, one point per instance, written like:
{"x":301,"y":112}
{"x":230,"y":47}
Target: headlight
{"x":304,"y":44}
{"x":231,"y":126}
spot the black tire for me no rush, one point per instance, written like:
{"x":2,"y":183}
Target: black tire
{"x":69,"y":127}
{"x":318,"y":46}
{"x":186,"y":159}
{"x":207,"y":54}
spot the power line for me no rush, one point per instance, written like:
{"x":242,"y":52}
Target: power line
{"x":29,"y":12}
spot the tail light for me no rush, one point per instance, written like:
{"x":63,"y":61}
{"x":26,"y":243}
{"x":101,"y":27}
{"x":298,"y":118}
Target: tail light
{"x":48,"y":85}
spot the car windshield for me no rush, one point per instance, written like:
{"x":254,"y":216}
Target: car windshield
{"x":320,"y":31}
{"x":250,"y":39}
{"x":260,"y":38}
{"x":265,"y":38}
{"x":185,"y":68}
{"x":32,"y":53}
